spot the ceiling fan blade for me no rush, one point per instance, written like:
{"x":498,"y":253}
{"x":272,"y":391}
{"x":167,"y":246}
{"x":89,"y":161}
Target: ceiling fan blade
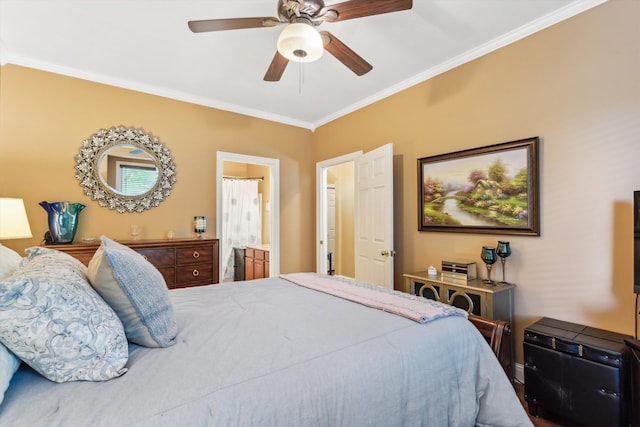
{"x":358,"y":8}
{"x":278,"y":64}
{"x":344,"y":54}
{"x":232,"y":24}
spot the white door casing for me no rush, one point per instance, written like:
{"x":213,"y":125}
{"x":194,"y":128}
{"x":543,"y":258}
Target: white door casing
{"x":374,"y":217}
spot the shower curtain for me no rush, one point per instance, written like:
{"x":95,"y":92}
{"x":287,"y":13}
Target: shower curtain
{"x":241,"y":220}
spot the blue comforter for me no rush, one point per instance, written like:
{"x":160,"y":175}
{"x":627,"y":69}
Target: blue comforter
{"x":271,"y":353}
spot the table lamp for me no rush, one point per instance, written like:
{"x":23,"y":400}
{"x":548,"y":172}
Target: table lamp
{"x":14,"y":223}
{"x":200,"y":225}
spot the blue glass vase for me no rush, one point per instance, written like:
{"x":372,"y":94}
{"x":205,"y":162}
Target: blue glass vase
{"x":488,"y":255}
{"x":63,"y":220}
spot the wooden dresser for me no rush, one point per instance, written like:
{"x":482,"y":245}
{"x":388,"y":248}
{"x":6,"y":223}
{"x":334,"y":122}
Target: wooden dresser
{"x":183,"y":263}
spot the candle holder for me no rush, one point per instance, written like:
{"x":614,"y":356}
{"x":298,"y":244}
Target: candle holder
{"x":489,"y":257}
{"x":200,"y":225}
{"x":503,"y":251}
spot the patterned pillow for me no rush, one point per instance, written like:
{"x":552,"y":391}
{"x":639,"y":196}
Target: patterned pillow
{"x":136,"y":291}
{"x":53,"y":320}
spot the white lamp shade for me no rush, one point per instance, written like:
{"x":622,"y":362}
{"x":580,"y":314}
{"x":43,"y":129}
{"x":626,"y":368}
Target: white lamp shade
{"x":300,"y":42}
{"x":13,"y":219}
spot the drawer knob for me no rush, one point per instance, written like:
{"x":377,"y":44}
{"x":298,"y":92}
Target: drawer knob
{"x":196,"y":254}
{"x":195,"y":273}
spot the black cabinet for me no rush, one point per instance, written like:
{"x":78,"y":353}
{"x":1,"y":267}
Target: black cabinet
{"x":238,"y":264}
{"x":577,"y":372}
{"x":634,"y":347}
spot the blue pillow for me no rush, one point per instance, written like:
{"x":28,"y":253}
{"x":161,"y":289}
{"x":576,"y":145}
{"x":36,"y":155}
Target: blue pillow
{"x":136,"y":291}
{"x":8,"y":366}
{"x":53,"y":320}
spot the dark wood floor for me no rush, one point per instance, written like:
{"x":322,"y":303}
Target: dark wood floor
{"x":543,"y":419}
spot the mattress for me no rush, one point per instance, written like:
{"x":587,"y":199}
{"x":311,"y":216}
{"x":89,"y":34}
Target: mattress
{"x":271,"y":353}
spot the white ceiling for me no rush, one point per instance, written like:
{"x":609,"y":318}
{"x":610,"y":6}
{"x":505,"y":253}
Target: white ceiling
{"x":145,"y":45}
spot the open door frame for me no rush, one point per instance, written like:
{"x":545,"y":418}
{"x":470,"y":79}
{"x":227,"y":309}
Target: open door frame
{"x":321,"y":206}
{"x":274,"y":199}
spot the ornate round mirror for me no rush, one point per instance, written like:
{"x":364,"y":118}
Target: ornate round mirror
{"x":125,"y":169}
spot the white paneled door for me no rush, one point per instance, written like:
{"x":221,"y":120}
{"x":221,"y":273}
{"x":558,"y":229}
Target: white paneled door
{"x":374,"y":217}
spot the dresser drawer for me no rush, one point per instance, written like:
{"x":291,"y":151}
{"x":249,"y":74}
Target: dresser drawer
{"x":202,"y":272}
{"x":194,"y":254}
{"x":159,"y":257}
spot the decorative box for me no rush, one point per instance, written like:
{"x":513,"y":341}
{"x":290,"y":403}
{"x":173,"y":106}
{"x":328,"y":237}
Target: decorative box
{"x":458,"y":272}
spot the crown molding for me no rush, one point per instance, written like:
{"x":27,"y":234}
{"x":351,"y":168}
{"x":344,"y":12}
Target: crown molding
{"x":549,"y":20}
{"x":572,"y":9}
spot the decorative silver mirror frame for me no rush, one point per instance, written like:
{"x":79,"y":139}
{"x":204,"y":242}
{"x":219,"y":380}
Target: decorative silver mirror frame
{"x":87,"y":161}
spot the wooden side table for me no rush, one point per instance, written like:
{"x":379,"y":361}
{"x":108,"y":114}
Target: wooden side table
{"x":477,"y":297}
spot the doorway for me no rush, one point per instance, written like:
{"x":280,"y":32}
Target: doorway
{"x":328,"y":173}
{"x":371,"y":191}
{"x":270,"y":202}
{"x":340,"y":220}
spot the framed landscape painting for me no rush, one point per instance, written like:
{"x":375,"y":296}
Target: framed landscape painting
{"x":491,"y":190}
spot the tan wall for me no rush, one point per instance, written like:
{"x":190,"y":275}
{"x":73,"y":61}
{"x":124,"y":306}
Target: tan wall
{"x":45,"y":117}
{"x":576,"y":86}
{"x":343,"y":178}
{"x":263,"y":188}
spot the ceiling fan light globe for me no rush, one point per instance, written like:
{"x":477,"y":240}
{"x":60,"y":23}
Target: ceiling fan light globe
{"x":300,"y":42}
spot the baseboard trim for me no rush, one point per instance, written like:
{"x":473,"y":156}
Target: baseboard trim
{"x":519,"y":374}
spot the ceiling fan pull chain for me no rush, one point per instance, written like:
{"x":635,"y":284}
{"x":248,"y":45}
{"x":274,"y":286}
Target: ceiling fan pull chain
{"x":300,"y":76}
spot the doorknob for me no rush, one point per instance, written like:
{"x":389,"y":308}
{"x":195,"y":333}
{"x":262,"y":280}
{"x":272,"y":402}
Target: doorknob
{"x":388,"y":253}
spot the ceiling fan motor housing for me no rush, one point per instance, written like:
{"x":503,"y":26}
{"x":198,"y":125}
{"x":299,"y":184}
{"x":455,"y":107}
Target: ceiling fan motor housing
{"x":291,"y":10}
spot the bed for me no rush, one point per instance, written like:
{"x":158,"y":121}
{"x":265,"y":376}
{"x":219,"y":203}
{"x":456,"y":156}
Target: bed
{"x":271,"y":352}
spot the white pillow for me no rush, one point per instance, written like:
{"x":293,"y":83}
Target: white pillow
{"x":136,"y":291}
{"x":8,"y":366}
{"x":9,"y":261}
{"x":54,"y":321}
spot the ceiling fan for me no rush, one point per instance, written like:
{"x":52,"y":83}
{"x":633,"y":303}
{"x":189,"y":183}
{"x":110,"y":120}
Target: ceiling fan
{"x":300,"y":41}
